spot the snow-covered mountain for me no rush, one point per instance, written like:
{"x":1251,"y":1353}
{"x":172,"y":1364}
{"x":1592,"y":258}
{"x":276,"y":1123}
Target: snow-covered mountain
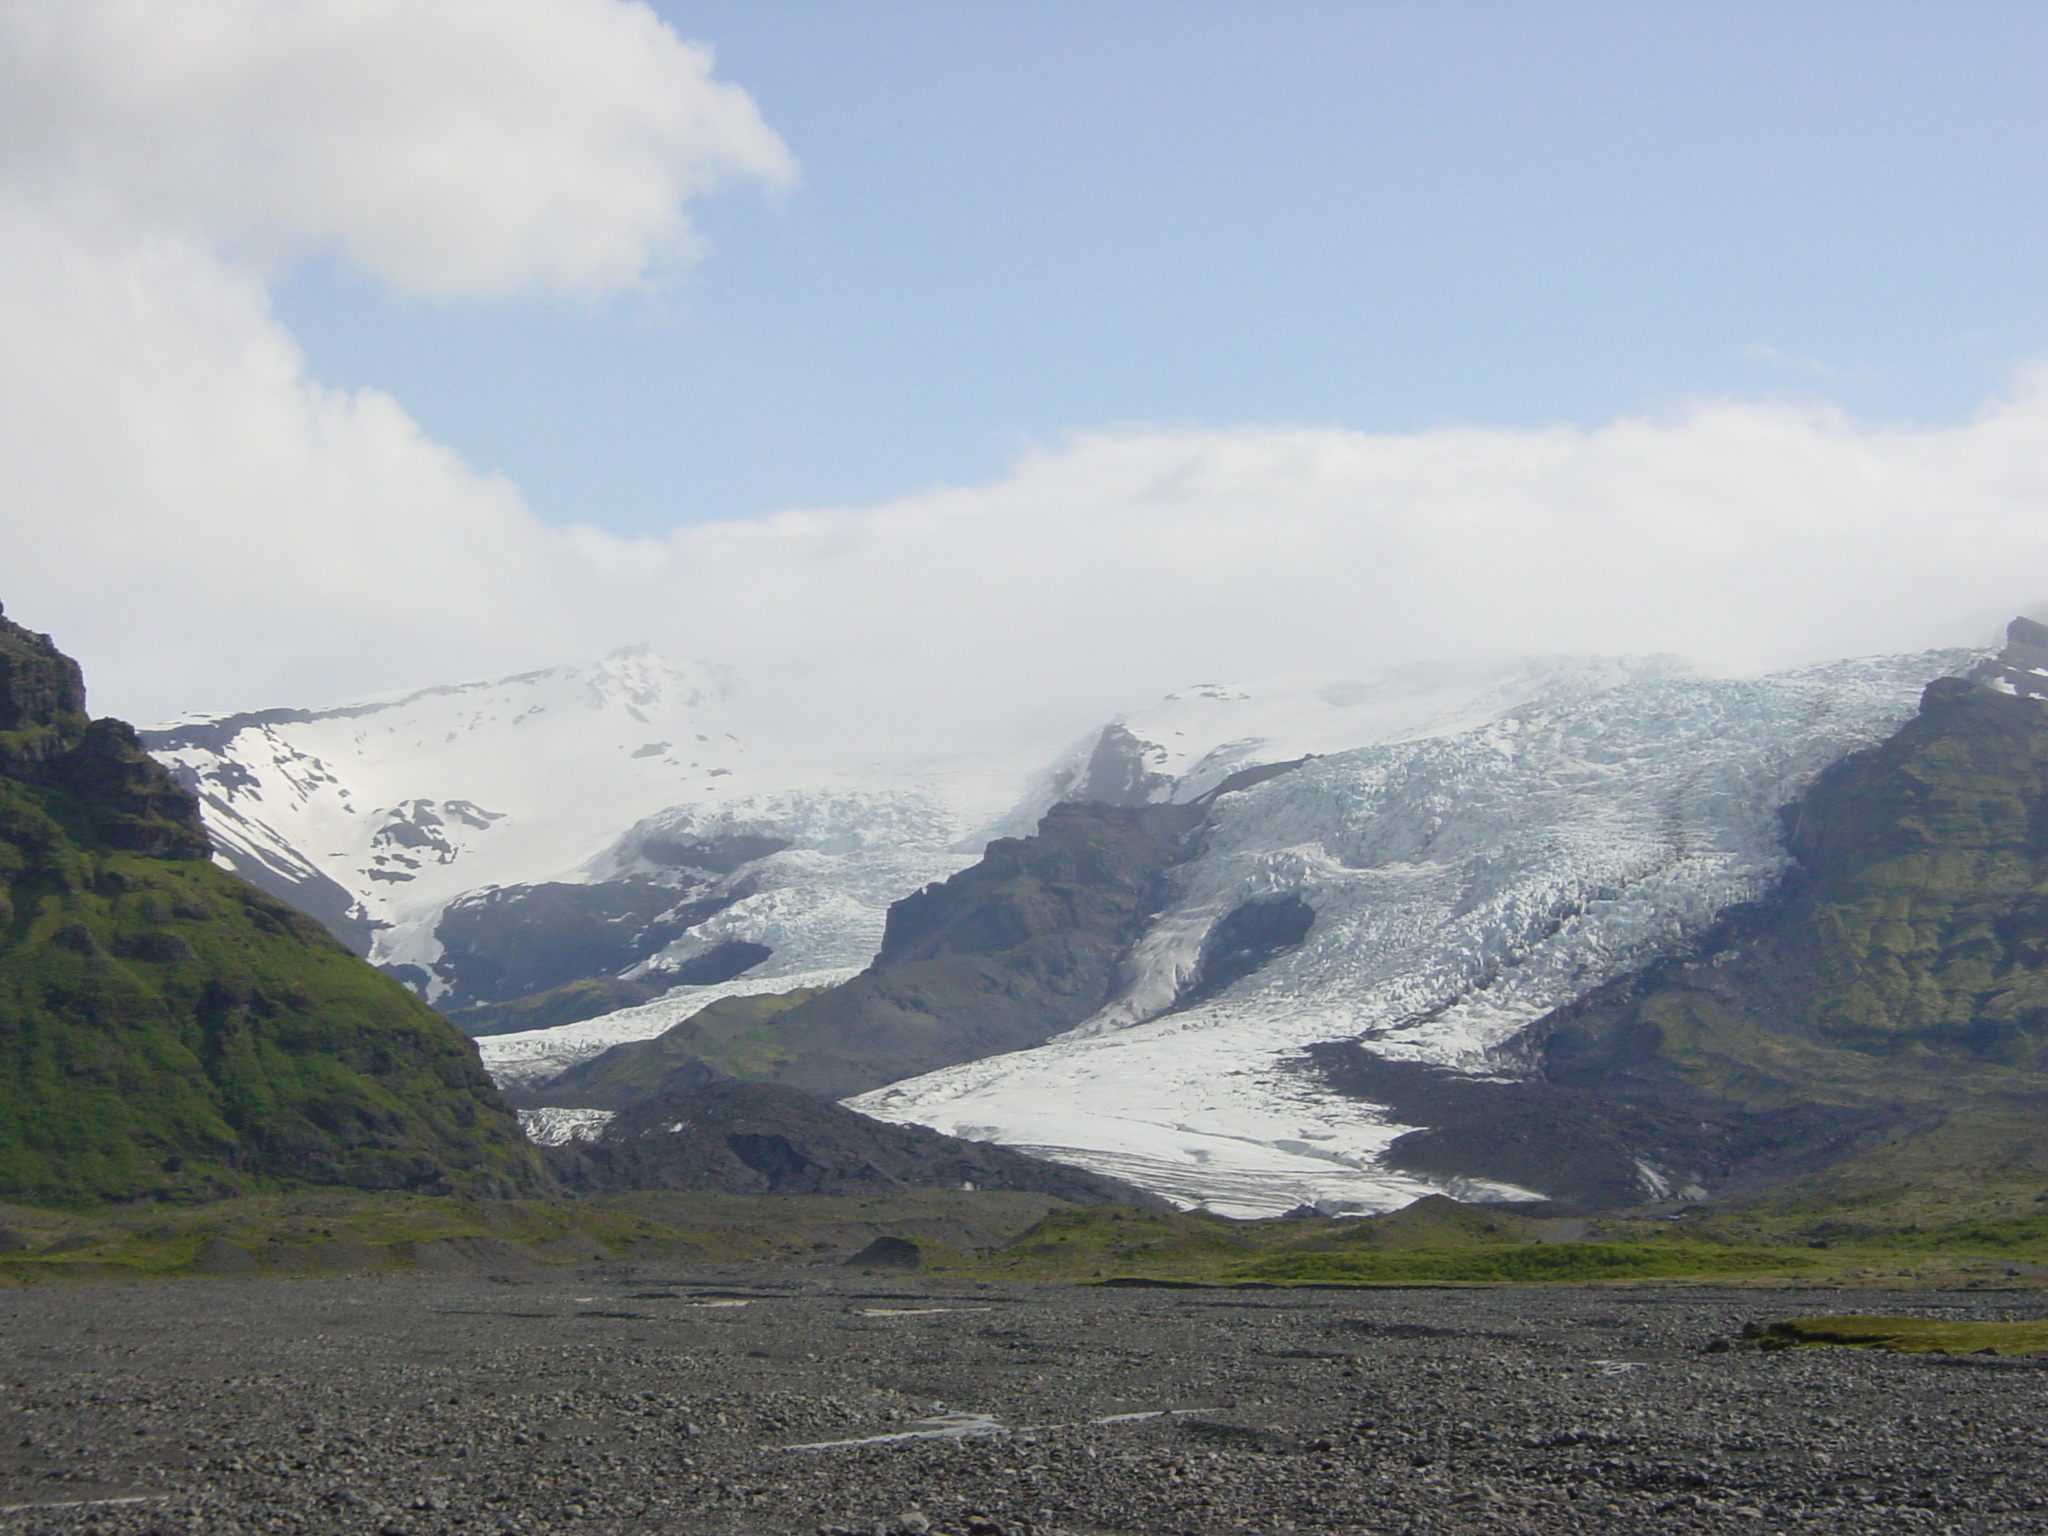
{"x":1191,"y":741}
{"x":1566,"y":824}
{"x":374,"y":814}
{"x":825,"y":903}
{"x":1424,"y":859}
{"x":629,"y":778}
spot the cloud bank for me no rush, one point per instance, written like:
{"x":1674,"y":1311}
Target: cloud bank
{"x":451,"y":147}
{"x":208,"y":527}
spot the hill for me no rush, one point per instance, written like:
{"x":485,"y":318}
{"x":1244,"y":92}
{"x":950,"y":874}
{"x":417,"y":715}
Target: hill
{"x":168,"y":1031}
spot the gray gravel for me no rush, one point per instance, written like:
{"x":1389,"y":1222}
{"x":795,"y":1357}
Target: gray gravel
{"x":644,"y":1401}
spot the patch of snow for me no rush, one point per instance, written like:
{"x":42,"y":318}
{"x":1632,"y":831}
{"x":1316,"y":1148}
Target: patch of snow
{"x":821,"y":903}
{"x":409,"y":801}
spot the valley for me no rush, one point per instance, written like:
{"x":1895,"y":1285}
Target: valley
{"x":1145,"y":959}
{"x":737,"y":1400}
{"x":1496,"y":1125}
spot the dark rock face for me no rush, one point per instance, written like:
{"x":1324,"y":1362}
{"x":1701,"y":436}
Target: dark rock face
{"x":1004,"y":955}
{"x":733,"y":1037}
{"x":46,"y":739}
{"x":1611,"y":1144}
{"x":1883,"y":1018}
{"x":762,"y":1138}
{"x":522,"y":940}
{"x":170,"y":1032}
{"x":710,"y":855}
{"x":2022,"y":667}
{"x":1119,"y":772}
{"x":42,"y":700}
{"x":887,"y":1252}
{"x":1248,"y":939}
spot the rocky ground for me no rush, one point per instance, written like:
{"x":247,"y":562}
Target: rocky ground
{"x":799,"y":1400}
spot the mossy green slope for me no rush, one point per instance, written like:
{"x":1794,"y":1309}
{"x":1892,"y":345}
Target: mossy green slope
{"x":1908,"y":1335}
{"x":1901,"y":980}
{"x":1930,"y":917}
{"x":167,"y":1031}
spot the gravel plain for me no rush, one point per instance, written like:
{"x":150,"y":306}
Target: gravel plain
{"x":769,"y":1401}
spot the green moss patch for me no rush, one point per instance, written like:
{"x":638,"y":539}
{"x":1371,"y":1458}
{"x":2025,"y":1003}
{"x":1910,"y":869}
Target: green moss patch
{"x":169,"y":1032}
{"x":1532,"y":1263}
{"x":1910,"y":1335}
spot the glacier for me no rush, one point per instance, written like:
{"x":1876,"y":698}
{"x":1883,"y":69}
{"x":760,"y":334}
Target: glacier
{"x":376,"y":815}
{"x":1479,"y":841}
{"x":1464,"y":884}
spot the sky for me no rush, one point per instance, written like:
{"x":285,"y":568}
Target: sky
{"x":1018,"y":222}
{"x":966,"y":372}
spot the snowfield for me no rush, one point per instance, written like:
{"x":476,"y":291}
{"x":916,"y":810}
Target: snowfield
{"x":392,"y":808}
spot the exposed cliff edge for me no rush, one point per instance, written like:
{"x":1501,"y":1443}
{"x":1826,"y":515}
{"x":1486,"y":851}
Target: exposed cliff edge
{"x":167,"y":1030}
{"x":1880,"y":1023}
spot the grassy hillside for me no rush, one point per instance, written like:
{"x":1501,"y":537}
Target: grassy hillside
{"x":167,"y":1031}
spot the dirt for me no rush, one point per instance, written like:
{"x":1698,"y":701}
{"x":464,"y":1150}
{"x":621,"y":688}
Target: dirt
{"x":661,"y":1399}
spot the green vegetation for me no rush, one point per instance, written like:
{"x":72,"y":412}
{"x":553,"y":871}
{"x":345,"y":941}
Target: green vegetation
{"x":1119,"y":1240}
{"x":1530,"y":1263}
{"x":1436,"y":1241}
{"x":1934,"y":933}
{"x":170,"y":1033}
{"x":1879,"y":1032}
{"x":732,"y":1037}
{"x":1909,"y":1335}
{"x":345,"y":1232}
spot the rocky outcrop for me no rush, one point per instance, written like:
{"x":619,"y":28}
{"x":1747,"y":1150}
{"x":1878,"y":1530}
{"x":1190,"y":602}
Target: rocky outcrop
{"x":168,"y":1031}
{"x":1003,"y":956}
{"x":762,"y":1138}
{"x":518,"y":942}
{"x":47,"y":739}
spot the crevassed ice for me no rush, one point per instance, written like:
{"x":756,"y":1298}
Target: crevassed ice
{"x":1464,"y":885}
{"x":559,"y":1127}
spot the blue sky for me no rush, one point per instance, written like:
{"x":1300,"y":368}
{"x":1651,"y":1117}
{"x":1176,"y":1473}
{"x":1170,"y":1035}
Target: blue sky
{"x":1019,"y":221}
{"x":971,"y":371}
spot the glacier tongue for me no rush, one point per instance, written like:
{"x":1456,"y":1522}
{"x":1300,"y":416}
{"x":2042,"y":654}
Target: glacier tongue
{"x":1464,"y":884}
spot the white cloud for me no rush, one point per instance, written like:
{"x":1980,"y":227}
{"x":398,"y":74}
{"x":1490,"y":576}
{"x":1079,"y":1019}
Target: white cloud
{"x":448,"y":146}
{"x":190,"y":511}
{"x":1099,"y":574}
{"x":177,"y":498}
{"x":205,"y":526}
